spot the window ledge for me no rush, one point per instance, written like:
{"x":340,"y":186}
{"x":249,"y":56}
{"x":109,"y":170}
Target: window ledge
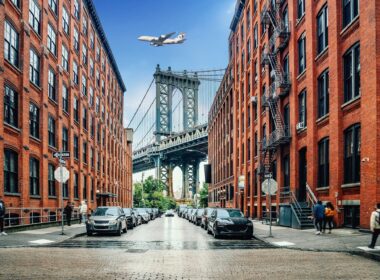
{"x":323,"y":119}
{"x":53,"y":102}
{"x":37,"y":87}
{"x":35,"y":196}
{"x":15,"y":129}
{"x":323,"y":188}
{"x":35,"y":139}
{"x":12,"y":66}
{"x":350,"y":185}
{"x":353,"y":22}
{"x":52,"y":196}
{"x":322,"y":53}
{"x":348,"y":103}
{"x":301,"y":75}
{"x":52,"y":148}
{"x":299,"y":131}
{"x":300,"y":20}
{"x":12,"y":194}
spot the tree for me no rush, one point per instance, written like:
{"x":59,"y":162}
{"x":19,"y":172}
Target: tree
{"x":204,"y":196}
{"x":150,"y":194}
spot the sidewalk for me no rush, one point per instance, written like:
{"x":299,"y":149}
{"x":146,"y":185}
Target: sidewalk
{"x":340,"y":240}
{"x":41,"y":236}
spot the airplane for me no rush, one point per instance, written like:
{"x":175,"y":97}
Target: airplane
{"x":164,"y":39}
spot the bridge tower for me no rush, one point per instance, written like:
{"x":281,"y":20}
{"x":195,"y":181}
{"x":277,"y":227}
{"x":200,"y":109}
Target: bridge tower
{"x":166,"y":83}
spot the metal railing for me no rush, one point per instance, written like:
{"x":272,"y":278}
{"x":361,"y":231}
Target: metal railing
{"x":310,"y":196}
{"x":30,"y":216}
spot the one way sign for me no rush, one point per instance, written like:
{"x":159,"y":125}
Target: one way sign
{"x":61,"y":154}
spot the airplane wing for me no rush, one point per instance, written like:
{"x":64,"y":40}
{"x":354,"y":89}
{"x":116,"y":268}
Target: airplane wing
{"x":166,"y":36}
{"x":148,"y":38}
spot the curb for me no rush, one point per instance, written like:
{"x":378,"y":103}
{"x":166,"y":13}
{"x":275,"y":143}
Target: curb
{"x":365,"y":254}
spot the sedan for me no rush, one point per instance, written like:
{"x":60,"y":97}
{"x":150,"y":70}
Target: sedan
{"x":169,"y":213}
{"x":137,"y":216}
{"x":198,"y":216}
{"x":205,"y":216}
{"x":145,"y":217}
{"x":107,"y":219}
{"x":229,"y":222}
{"x":131,"y":218}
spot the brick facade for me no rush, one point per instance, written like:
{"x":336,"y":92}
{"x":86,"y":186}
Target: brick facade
{"x":108,"y":185}
{"x":352,"y":199}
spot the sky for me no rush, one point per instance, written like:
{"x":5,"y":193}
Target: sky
{"x":205,"y":22}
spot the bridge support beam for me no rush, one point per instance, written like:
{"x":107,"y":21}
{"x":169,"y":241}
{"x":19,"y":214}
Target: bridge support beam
{"x":190,"y":185}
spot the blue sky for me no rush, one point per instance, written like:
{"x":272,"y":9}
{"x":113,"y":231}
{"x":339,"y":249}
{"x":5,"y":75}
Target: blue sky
{"x":205,"y":22}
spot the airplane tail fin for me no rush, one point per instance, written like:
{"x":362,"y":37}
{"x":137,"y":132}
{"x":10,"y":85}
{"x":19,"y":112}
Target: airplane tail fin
{"x":181,"y":36}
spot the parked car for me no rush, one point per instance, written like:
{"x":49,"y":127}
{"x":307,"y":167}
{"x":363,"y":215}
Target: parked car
{"x":145,"y":217}
{"x":192,"y":215}
{"x":187,"y":213}
{"x":156,"y":212}
{"x":198,"y":216}
{"x":205,"y":216}
{"x":181,"y":210}
{"x":131,"y":218}
{"x":150,"y":212}
{"x":169,"y":213}
{"x":107,"y":219}
{"x":138,"y":217}
{"x":229,"y":222}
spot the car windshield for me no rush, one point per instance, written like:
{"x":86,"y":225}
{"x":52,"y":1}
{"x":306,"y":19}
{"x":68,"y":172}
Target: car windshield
{"x":106,"y":212}
{"x":229,"y":213}
{"x":127,"y":211}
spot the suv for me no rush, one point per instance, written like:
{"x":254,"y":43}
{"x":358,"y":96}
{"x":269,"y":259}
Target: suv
{"x":107,"y":219}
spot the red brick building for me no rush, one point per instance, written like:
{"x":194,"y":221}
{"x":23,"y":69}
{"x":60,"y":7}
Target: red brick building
{"x":61,"y":90}
{"x":306,"y":107}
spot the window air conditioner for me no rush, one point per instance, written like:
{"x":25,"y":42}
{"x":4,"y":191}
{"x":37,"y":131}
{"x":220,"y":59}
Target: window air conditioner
{"x":300,"y":125}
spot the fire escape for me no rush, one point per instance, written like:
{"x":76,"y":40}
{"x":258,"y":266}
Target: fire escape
{"x":271,"y":16}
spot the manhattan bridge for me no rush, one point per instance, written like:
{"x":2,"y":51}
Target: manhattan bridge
{"x":170,"y":125}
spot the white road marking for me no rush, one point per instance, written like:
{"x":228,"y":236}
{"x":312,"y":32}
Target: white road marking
{"x":41,"y":241}
{"x":377,"y":248}
{"x":283,"y":243}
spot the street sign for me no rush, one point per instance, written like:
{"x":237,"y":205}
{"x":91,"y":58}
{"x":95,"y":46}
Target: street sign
{"x":61,"y":154}
{"x":61,"y":174}
{"x":241,"y":180}
{"x":269,"y":186}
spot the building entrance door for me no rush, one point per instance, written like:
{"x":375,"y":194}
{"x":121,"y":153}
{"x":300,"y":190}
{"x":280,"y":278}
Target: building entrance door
{"x":302,"y":175}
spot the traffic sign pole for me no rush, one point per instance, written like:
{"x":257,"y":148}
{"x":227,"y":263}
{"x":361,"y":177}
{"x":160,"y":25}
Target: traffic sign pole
{"x":61,"y":187}
{"x":270,"y":207}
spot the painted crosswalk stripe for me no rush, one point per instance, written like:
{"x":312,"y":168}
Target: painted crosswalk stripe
{"x":283,"y":243}
{"x":41,"y":241}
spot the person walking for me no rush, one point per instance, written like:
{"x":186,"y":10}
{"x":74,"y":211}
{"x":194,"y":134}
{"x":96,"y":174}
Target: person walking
{"x":83,"y":212}
{"x":319,"y":214}
{"x":68,"y":212}
{"x":2,"y":215}
{"x":329,"y":216}
{"x":375,"y":226}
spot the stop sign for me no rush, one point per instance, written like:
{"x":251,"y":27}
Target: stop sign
{"x":61,"y":174}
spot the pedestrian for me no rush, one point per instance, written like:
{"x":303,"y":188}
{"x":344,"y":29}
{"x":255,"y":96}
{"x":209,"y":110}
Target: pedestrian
{"x":329,"y":216}
{"x":83,"y":212}
{"x":2,"y":215}
{"x":318,"y":214}
{"x":68,"y":212}
{"x":375,"y":226}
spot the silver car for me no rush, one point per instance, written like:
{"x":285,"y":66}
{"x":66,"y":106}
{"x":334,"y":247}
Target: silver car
{"x":107,"y":219}
{"x":145,"y":216}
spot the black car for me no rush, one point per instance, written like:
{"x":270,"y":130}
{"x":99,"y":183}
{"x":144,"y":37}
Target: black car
{"x":130,"y":217}
{"x":229,"y":222}
{"x":198,"y":216}
{"x":205,"y":216}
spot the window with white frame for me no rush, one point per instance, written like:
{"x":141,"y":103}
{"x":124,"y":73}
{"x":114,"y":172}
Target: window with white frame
{"x":65,"y":58}
{"x":11,"y":44}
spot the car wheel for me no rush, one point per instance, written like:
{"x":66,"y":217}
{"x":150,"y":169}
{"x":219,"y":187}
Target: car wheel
{"x":119,"y":230}
{"x":125,"y":230}
{"x":208,"y":231}
{"x":216,"y":236}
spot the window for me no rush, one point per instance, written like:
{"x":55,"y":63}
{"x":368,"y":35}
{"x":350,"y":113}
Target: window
{"x":97,"y":78}
{"x":75,"y":73}
{"x":65,"y":99}
{"x":98,"y":133}
{"x":65,"y":189}
{"x":286,"y":170}
{"x":34,"y":176}
{"x":84,"y":152}
{"x":76,"y":147}
{"x":51,"y":85}
{"x":285,"y":19}
{"x":286,"y":66}
{"x":52,"y":40}
{"x":10,"y":171}
{"x":302,"y":117}
{"x":92,"y":41}
{"x":65,"y":58}
{"x":84,"y":187}
{"x":287,"y":119}
{"x":91,"y":67}
{"x":352,"y":154}
{"x":92,"y":126}
{"x":16,"y":3}
{"x":65,"y":21}
{"x":103,"y":88}
{"x":323,"y":94}
{"x":92,"y":152}
{"x":248,"y":50}
{"x":10,"y":107}
{"x":76,"y":39}
{"x":34,"y":67}
{"x":249,"y":149}
{"x":53,"y":6}
{"x":51,"y":180}
{"x":84,"y":25}
{"x":11,"y":44}
{"x":322,"y":29}
{"x":255,"y":37}
{"x":301,"y":54}
{"x":323,"y":163}
{"x":91,"y":96}
{"x":84,"y":54}
{"x":76,"y":9}
{"x":98,"y":52}
{"x":76,"y":109}
{"x":350,"y":11}
{"x":84,"y":85}
{"x":76,"y":188}
{"x":34,"y":120}
{"x":84,"y":118}
{"x":351,"y":62}
{"x":256,"y":144}
{"x":65,"y":139}
{"x":300,"y":8}
{"x":34,"y":16}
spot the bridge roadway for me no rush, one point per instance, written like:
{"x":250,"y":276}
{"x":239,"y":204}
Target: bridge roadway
{"x":187,"y":145}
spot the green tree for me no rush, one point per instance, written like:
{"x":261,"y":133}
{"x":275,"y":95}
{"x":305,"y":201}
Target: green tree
{"x":204,"y":196}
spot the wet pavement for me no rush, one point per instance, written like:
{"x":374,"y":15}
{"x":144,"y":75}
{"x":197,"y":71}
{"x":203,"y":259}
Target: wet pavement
{"x":173,"y":248}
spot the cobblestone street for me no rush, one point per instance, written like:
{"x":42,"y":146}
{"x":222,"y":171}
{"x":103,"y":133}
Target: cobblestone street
{"x":172,"y":248}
